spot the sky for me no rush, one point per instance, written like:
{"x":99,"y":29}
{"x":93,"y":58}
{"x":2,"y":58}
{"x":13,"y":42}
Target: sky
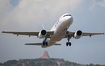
{"x":29,"y":15}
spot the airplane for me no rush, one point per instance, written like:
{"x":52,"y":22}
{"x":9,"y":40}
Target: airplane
{"x":57,"y":32}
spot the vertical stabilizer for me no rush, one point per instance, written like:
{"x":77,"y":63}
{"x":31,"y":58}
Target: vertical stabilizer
{"x":43,"y":27}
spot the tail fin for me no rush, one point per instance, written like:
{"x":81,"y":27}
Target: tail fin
{"x":43,"y":27}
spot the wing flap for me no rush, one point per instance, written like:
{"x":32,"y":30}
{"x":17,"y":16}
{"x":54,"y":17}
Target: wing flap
{"x":37,"y":44}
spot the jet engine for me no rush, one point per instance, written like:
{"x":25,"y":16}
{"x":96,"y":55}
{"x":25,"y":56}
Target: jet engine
{"x":78,"y":34}
{"x":42,"y":34}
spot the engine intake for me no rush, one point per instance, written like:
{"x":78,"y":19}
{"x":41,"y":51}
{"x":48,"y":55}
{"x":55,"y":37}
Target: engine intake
{"x":42,"y":34}
{"x":78,"y":34}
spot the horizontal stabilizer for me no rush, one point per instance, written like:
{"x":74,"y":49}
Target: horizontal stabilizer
{"x":57,"y":44}
{"x":37,"y":44}
{"x":33,"y":44}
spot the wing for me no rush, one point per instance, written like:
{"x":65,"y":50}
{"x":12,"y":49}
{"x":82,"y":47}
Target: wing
{"x":91,"y":34}
{"x":71,"y":34}
{"x":37,"y":44}
{"x":29,"y":33}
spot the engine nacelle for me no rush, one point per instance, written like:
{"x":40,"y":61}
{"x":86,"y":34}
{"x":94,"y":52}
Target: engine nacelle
{"x":42,"y":34}
{"x":78,"y":34}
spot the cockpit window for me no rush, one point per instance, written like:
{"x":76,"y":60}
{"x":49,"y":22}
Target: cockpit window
{"x":66,"y":15}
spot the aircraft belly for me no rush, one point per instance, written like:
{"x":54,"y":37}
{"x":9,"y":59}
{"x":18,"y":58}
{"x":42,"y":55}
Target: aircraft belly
{"x":58,"y":35}
{"x":55,"y":38}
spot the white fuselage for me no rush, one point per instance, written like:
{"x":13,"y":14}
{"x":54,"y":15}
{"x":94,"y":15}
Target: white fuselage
{"x":60,"y":29}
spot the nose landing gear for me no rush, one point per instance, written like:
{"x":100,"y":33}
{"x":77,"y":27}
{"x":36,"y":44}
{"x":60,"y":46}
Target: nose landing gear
{"x":45,"y":43}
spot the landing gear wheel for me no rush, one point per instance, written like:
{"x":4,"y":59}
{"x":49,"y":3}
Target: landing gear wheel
{"x":46,"y":44}
{"x":67,"y":44}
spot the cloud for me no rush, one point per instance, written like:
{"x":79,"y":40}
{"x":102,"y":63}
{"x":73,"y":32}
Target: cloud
{"x":28,"y":15}
{"x":5,"y":8}
{"x":33,"y":11}
{"x":102,"y":3}
{"x":37,"y":12}
{"x":4,"y":5}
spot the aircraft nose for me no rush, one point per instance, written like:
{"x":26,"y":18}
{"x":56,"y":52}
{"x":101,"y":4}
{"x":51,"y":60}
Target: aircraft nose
{"x":70,"y":18}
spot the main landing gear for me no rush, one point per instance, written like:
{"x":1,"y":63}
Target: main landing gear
{"x":68,"y":43}
{"x":45,"y":43}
